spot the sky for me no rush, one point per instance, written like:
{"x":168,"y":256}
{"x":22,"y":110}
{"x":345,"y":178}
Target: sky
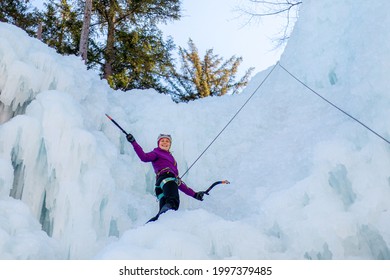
{"x":219,"y":25}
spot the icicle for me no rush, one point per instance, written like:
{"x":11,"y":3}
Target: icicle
{"x":19,"y":169}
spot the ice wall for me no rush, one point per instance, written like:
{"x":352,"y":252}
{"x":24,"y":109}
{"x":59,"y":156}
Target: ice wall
{"x":49,"y":142}
{"x":307,"y":181}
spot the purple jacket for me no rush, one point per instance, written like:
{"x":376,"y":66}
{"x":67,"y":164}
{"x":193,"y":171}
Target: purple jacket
{"x":160,"y":160}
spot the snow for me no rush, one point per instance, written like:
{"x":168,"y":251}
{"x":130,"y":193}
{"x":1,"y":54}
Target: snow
{"x":307,"y":182}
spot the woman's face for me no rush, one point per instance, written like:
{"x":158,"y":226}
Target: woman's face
{"x":164,"y":144}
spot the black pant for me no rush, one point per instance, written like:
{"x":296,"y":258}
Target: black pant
{"x":170,"y":190}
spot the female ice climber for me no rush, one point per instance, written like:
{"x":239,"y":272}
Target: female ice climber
{"x":167,"y":175}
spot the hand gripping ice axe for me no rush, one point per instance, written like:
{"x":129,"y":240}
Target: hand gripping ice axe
{"x":111,"y":119}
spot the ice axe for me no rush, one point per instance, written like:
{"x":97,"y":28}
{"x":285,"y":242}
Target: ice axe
{"x":111,"y":119}
{"x":214,"y":184}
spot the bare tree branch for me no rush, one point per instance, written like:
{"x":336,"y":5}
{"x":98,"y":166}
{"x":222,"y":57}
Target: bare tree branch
{"x":261,"y":8}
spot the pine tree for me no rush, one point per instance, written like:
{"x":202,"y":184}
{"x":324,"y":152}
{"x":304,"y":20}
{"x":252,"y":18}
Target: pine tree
{"x":208,"y":77}
{"x":19,"y":13}
{"x":61,"y":27}
{"x":124,"y":41}
{"x":141,"y":59}
{"x":126,"y":16}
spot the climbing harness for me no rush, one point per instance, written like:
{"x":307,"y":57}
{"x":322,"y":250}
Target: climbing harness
{"x":161,"y":185}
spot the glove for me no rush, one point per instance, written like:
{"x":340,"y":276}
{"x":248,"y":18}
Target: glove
{"x":130,"y":138}
{"x":199,"y":195}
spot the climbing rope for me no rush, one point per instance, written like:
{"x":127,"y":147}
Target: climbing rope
{"x":235,"y":115}
{"x":305,"y":85}
{"x":338,"y":108}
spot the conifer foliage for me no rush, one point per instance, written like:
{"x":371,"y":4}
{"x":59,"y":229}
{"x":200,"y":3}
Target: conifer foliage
{"x":210,"y":76}
{"x":121,"y":40}
{"x":62,"y":26}
{"x":122,"y":19}
{"x":19,"y":13}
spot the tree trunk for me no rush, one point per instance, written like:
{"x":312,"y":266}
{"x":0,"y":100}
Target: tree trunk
{"x":62,"y":31}
{"x":39,"y":32}
{"x":83,"y":48}
{"x":110,"y":52}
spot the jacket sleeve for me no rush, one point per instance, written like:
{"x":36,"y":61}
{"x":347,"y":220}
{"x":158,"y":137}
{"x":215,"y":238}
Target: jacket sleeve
{"x":185,"y":189}
{"x":145,"y":157}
